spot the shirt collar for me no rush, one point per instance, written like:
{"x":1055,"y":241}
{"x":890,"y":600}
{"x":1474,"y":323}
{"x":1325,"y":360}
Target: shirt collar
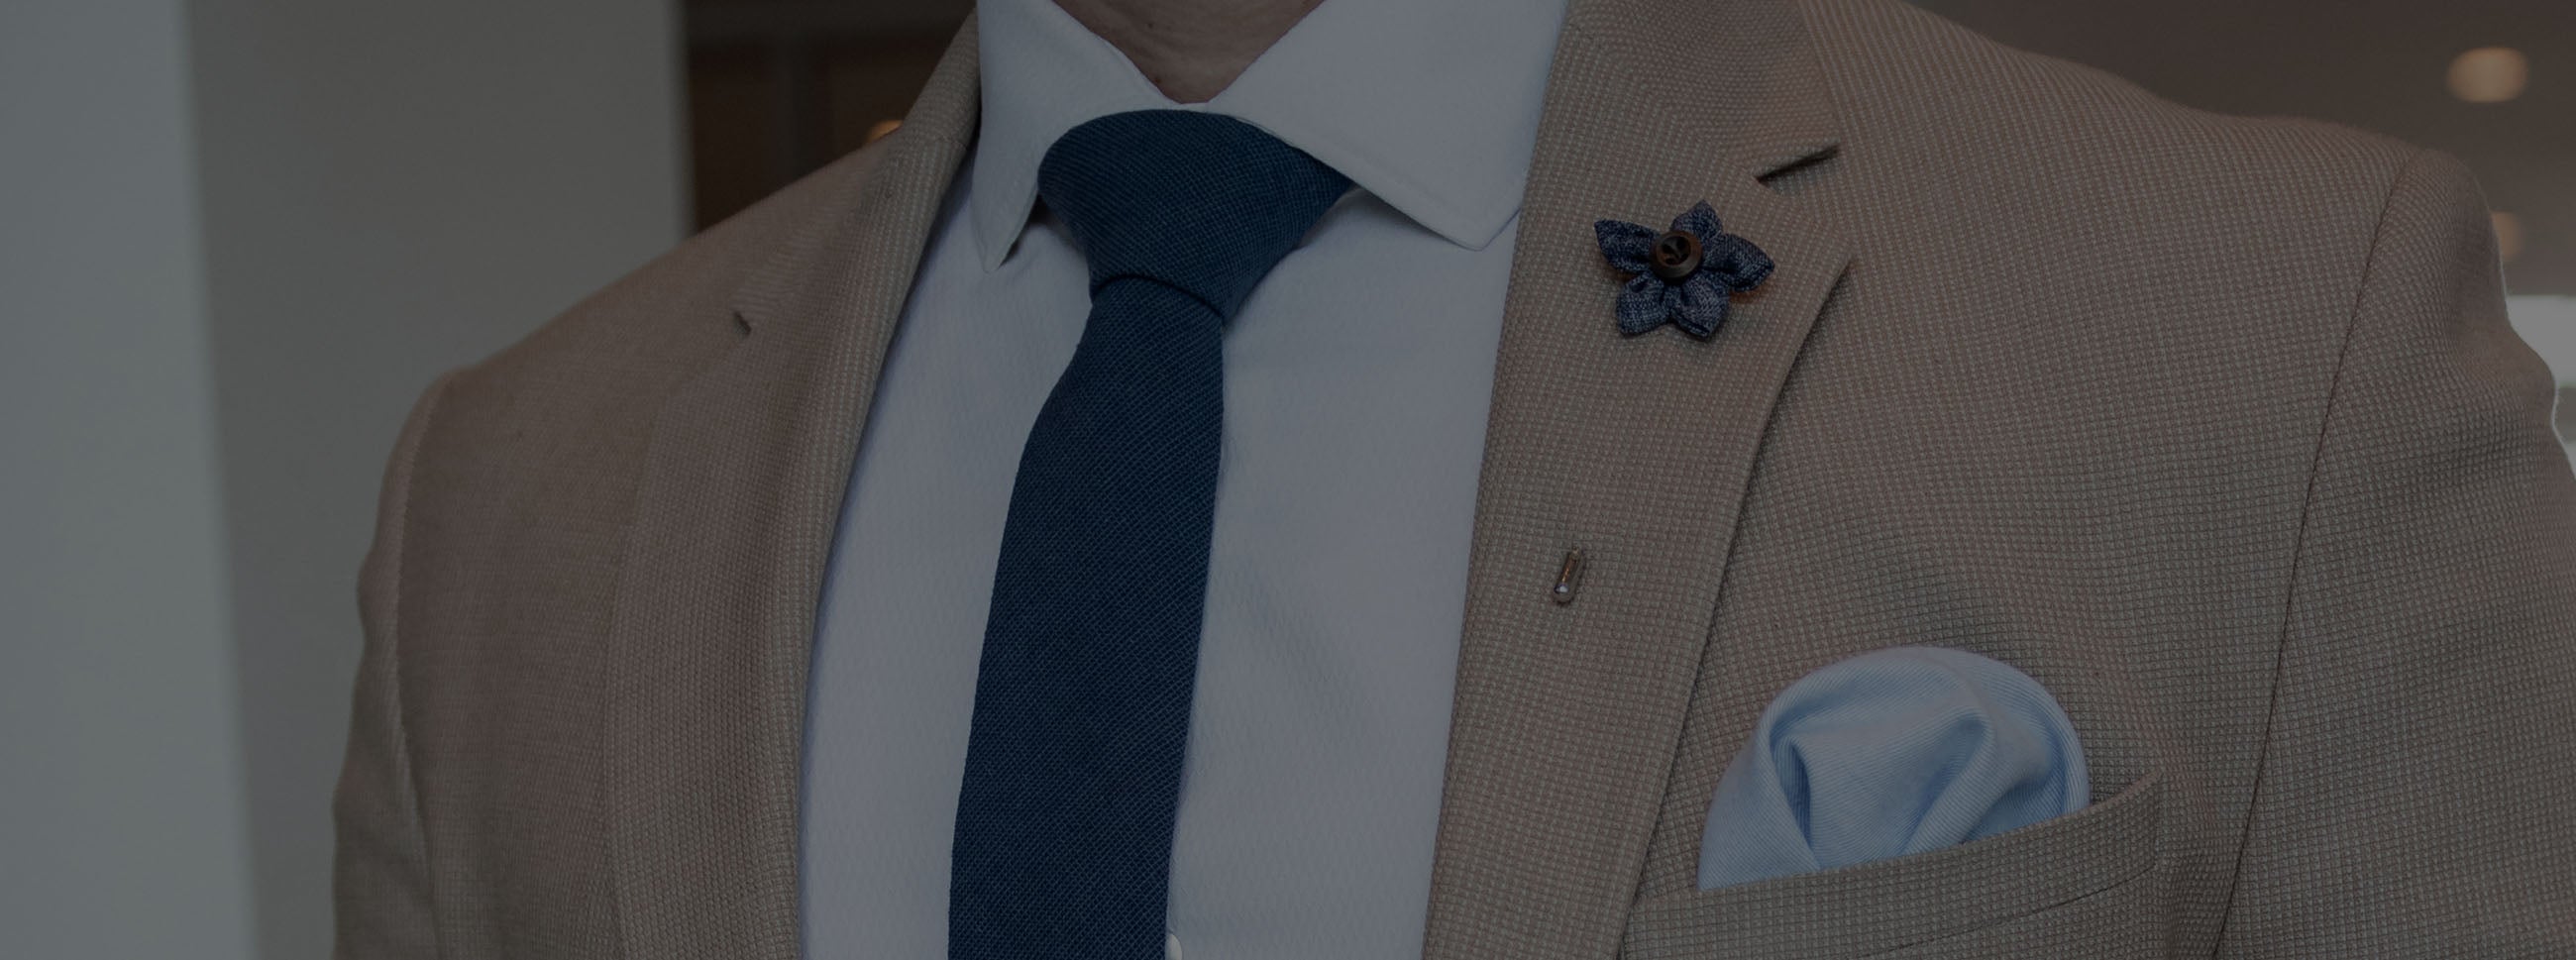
{"x":1431,"y":105}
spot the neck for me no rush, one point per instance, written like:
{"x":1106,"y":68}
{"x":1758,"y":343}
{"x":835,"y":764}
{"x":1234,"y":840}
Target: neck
{"x":1191,"y":49}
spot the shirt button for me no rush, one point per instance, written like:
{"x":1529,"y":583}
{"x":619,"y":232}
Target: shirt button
{"x":1171,"y":946}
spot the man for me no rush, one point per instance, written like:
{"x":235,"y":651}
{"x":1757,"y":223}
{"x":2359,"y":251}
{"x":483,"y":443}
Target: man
{"x":1220,"y":481}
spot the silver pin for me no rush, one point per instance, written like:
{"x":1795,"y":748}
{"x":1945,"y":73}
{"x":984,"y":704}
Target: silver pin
{"x":1567,"y":577}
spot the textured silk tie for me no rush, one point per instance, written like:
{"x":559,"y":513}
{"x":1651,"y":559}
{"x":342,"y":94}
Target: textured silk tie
{"x":1082,"y":701}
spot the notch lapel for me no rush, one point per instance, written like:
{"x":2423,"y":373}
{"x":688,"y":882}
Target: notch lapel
{"x":1638,"y":449}
{"x":723,"y":567}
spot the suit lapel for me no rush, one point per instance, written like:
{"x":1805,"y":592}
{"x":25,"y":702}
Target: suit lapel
{"x":1638,"y":449}
{"x":734,"y":518}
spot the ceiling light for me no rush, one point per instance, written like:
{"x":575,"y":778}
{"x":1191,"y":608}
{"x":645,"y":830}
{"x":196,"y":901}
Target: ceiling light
{"x":2489,"y":74}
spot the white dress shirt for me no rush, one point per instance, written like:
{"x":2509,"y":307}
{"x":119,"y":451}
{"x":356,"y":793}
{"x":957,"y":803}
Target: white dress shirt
{"x":1357,"y":378}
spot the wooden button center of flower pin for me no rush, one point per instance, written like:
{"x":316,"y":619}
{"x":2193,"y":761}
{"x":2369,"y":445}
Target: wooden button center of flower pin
{"x":1676,"y":254}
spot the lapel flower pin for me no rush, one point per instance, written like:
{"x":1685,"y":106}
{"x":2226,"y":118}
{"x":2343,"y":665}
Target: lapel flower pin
{"x":1684,"y":275}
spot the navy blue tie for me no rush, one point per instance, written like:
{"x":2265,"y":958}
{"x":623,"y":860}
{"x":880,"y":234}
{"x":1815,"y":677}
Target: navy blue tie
{"x":1082,"y":702}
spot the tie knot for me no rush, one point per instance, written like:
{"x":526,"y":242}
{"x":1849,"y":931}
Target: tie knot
{"x":1203,"y":203}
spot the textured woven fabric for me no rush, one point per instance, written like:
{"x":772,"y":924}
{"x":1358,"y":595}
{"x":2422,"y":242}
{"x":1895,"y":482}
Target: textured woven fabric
{"x":2221,"y":435}
{"x":1893,"y":752}
{"x":1082,"y":704}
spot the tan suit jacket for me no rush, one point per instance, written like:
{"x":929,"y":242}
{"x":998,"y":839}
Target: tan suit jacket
{"x":2213,"y":425}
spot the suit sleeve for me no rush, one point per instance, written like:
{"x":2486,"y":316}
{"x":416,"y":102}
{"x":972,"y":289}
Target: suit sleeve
{"x":380,"y":880}
{"x":2418,"y":791}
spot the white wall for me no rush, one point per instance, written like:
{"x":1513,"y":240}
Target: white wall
{"x":237,"y":237}
{"x":392,"y":188}
{"x":120,"y":766}
{"x":2549,"y":325}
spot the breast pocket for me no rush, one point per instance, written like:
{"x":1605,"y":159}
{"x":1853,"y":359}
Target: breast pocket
{"x":2080,"y":885}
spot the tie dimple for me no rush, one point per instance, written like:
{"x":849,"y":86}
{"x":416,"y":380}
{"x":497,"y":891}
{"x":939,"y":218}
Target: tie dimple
{"x":1073,"y":770}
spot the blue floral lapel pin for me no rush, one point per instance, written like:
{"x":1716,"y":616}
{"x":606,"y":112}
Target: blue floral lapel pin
{"x":1684,"y":275}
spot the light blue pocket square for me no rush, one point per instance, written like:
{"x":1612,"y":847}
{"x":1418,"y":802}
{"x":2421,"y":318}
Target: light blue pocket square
{"x":1888,"y":753}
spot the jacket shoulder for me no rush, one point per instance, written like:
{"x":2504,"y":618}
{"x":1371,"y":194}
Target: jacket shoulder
{"x":2095,"y":195}
{"x":628,"y":342}
{"x":561,"y":418}
{"x":1908,"y":82}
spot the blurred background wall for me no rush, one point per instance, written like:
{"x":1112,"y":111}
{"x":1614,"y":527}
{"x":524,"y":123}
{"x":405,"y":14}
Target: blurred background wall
{"x":121,"y":797}
{"x":237,"y":237}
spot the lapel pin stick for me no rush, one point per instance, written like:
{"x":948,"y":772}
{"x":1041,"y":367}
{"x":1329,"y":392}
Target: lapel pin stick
{"x":1569,"y":575}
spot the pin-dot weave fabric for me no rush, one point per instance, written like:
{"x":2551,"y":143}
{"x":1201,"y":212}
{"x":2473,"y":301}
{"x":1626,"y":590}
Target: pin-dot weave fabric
{"x":1082,"y":703}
